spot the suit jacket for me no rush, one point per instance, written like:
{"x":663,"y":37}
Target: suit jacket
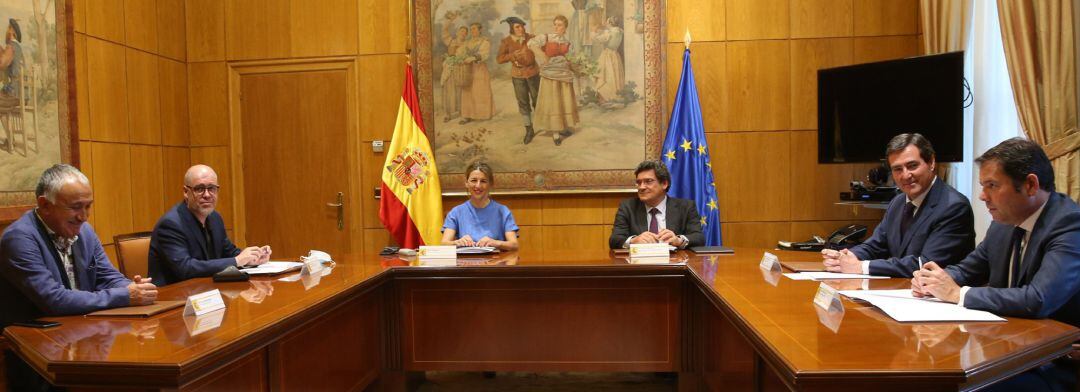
{"x":681,"y":217}
{"x":1050,"y":272}
{"x":943,"y":232}
{"x":178,"y":249}
{"x":34,"y":284}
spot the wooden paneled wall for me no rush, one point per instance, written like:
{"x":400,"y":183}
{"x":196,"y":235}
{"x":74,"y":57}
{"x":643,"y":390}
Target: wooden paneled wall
{"x":755,"y":63}
{"x":132,"y":98}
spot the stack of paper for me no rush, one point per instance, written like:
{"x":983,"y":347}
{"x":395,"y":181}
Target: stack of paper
{"x":829,"y":276}
{"x":476,"y":250}
{"x":904,"y":307}
{"x":273,"y":268}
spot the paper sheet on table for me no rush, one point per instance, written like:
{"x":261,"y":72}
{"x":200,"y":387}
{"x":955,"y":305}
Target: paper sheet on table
{"x":476,"y":250}
{"x":829,"y":276}
{"x":903,"y":307}
{"x":273,"y":267}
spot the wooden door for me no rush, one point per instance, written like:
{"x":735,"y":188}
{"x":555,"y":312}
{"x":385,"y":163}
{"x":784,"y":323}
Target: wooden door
{"x":294,"y":128}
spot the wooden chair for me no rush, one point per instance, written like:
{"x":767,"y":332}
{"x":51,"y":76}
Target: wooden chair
{"x":14,"y":113}
{"x":132,"y":253}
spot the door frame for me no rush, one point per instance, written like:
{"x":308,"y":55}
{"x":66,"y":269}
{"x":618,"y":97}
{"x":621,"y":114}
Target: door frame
{"x":353,"y":207}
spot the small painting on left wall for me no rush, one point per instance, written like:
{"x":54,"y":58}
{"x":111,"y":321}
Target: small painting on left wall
{"x":37,"y":126}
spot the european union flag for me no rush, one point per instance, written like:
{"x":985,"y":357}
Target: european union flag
{"x":686,"y":154}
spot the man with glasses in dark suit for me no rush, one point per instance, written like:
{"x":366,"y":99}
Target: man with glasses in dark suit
{"x":189,"y":241}
{"x":652,"y":216}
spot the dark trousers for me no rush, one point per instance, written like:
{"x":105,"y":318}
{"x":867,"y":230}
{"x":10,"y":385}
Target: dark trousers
{"x":525,"y":90}
{"x":22,"y":377}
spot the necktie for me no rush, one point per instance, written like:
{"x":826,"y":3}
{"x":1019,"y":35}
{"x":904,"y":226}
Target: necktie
{"x":1016,"y":256}
{"x":907,"y":218}
{"x":63,"y":247}
{"x":654,"y":225}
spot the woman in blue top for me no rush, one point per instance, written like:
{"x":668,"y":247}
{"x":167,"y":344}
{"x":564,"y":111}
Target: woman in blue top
{"x":480,"y":221}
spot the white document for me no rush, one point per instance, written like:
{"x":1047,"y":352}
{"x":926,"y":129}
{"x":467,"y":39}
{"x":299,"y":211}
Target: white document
{"x":818,"y":275}
{"x":476,"y":250}
{"x":898,"y":293}
{"x":904,"y":307}
{"x":272,"y":267}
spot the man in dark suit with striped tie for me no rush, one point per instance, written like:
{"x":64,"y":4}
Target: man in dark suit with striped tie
{"x":929,"y":220}
{"x":1029,"y":263}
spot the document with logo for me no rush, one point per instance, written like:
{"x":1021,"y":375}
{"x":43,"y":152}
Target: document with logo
{"x":904,"y":307}
{"x":273,"y":268}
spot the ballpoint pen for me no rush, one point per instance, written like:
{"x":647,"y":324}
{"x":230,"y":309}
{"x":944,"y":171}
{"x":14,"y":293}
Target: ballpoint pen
{"x":920,"y":262}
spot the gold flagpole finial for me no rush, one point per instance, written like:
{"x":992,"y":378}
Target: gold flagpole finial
{"x":686,"y":39}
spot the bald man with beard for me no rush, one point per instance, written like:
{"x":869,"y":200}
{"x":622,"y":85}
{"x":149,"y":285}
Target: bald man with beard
{"x":189,"y":241}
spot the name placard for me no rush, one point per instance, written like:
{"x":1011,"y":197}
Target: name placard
{"x":437,"y":252}
{"x":828,"y":298}
{"x":203,"y":303}
{"x":649,"y":250}
{"x":770,"y":262}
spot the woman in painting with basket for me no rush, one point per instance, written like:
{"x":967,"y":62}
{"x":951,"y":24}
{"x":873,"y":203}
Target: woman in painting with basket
{"x":556,"y":104}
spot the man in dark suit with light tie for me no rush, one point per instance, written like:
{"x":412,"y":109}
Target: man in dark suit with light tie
{"x":189,"y":241}
{"x":652,"y":216}
{"x":1029,"y":263}
{"x":54,"y":265}
{"x":929,"y":220}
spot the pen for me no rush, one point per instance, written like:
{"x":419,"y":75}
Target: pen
{"x":920,"y":262}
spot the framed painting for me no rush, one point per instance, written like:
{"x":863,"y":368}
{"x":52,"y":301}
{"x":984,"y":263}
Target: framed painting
{"x":556,"y":95}
{"x":37,"y":122}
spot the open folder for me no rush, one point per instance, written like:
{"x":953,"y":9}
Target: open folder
{"x":804,"y":266}
{"x":139,"y":311}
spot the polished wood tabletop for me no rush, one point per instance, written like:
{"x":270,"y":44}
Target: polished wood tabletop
{"x":775,"y":313}
{"x":863,"y":340}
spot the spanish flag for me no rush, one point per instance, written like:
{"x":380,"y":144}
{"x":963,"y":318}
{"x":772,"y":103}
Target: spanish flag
{"x":411,"y":202}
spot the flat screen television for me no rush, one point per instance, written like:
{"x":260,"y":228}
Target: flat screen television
{"x":861,"y":107}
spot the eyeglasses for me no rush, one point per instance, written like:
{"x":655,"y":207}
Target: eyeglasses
{"x":203,"y":189}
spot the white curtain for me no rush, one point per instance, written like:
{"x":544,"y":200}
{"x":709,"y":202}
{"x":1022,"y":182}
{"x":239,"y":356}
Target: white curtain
{"x":993,"y":116}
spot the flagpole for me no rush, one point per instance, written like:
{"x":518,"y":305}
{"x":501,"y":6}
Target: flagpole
{"x":412,"y":35}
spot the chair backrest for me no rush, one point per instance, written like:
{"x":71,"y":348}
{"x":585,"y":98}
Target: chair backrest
{"x":132,"y":253}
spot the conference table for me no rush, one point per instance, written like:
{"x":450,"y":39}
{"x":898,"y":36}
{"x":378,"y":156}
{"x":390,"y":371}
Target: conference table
{"x":377,"y":322}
